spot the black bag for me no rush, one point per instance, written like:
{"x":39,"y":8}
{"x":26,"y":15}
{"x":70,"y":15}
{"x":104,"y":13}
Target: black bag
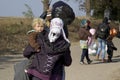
{"x":103,"y":31}
{"x":63,"y":11}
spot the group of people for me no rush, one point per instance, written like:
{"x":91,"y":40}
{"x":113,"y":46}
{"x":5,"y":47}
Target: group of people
{"x":48,"y":50}
{"x":97,"y":39}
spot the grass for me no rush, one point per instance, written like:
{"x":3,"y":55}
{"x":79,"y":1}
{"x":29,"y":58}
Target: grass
{"x":13,"y":33}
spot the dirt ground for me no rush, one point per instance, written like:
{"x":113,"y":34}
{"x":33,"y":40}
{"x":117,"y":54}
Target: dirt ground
{"x":94,"y":71}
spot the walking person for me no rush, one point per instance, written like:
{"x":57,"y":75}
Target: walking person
{"x":54,"y":54}
{"x":110,"y":44}
{"x":92,"y":45}
{"x":102,"y":34}
{"x":83,"y":36}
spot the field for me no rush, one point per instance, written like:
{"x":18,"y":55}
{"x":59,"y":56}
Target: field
{"x":14,"y":39}
{"x":13,"y":33}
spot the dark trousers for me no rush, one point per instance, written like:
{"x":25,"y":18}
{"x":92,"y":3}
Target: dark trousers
{"x":85,"y":54}
{"x":35,"y":78}
{"x":110,"y":46}
{"x":110,"y":53}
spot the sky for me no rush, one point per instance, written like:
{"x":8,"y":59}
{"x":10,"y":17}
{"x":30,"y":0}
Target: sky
{"x":16,"y":7}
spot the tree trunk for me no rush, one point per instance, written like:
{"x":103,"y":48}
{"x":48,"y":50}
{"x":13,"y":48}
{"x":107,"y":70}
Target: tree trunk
{"x":45,"y":4}
{"x":87,"y":4}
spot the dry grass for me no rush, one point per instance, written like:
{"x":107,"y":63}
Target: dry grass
{"x":13,"y":33}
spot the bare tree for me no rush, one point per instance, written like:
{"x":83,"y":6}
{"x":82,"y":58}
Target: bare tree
{"x":87,"y":5}
{"x":45,"y":4}
{"x":29,"y":12}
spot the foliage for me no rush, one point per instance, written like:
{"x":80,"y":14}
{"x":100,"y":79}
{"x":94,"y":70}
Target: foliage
{"x":46,"y":4}
{"x":28,"y":13}
{"x":14,"y":38}
{"x":100,"y":5}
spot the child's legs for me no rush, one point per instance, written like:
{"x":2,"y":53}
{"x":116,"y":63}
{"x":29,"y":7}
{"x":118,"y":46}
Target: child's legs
{"x":83,"y":55}
{"x":86,"y":54}
{"x":110,"y":52}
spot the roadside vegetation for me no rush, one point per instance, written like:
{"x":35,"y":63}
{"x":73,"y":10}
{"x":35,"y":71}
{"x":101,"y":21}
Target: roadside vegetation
{"x":13,"y":33}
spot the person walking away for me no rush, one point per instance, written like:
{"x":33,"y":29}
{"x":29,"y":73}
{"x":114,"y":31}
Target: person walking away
{"x":83,"y":36}
{"x":102,"y":33}
{"x":110,"y":45}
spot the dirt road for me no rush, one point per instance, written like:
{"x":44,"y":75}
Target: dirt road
{"x":94,"y":71}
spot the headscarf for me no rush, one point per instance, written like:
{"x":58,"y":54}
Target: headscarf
{"x":56,"y":29}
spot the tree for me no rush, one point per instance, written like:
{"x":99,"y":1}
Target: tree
{"x":84,"y":5}
{"x":28,"y":13}
{"x":88,"y":8}
{"x":46,"y":4}
{"x":98,"y":5}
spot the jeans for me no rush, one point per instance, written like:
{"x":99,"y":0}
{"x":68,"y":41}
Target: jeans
{"x":101,"y":47}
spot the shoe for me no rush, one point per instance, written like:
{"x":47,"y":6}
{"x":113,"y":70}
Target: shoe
{"x":81,"y":62}
{"x":109,"y":60}
{"x":89,"y":62}
{"x":103,"y":60}
{"x":97,"y":57}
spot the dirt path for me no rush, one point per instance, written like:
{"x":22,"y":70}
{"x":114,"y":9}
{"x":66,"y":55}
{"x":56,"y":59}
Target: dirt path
{"x":94,"y":71}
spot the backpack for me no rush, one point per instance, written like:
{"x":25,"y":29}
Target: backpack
{"x":103,"y":31}
{"x":64,"y":11}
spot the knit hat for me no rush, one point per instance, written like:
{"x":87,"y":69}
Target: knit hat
{"x":83,"y":22}
{"x":56,"y":29}
{"x":92,"y":31}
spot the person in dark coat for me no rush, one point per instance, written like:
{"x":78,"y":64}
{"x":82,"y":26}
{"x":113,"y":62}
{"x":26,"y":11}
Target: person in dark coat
{"x":54,"y":54}
{"x":110,"y":44}
{"x":102,"y":33}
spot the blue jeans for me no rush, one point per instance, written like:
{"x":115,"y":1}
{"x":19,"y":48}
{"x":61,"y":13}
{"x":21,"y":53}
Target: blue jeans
{"x":101,"y":47}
